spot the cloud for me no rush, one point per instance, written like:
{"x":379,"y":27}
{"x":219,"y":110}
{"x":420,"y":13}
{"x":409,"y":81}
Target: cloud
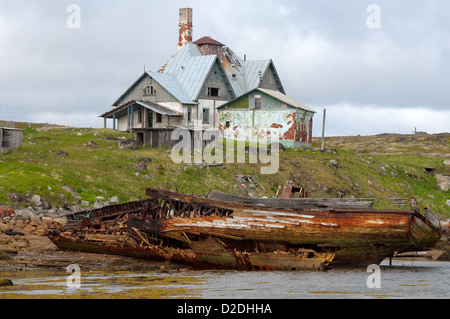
{"x":347,"y":120}
{"x":324,"y":52}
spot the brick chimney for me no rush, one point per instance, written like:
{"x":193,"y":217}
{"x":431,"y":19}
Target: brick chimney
{"x":186,"y":27}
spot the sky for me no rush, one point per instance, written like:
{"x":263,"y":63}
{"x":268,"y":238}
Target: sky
{"x":377,"y":66}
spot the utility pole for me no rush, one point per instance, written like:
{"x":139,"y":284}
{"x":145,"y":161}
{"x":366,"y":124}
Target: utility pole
{"x":323,"y":129}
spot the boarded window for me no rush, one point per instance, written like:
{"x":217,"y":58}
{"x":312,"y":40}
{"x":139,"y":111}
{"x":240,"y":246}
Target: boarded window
{"x":257,"y":101}
{"x":189,"y":114}
{"x":139,"y":115}
{"x":213,"y":92}
{"x":205,"y":116}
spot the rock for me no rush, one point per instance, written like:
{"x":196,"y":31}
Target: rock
{"x":140,"y":166}
{"x":4,"y":256}
{"x":96,"y":134}
{"x":6,"y":283}
{"x":99,"y":204}
{"x":24,"y":215}
{"x":61,"y":153}
{"x":334,"y":162}
{"x":145,"y":160}
{"x":47,"y":221}
{"x":60,"y":221}
{"x":447,"y":162}
{"x":447,"y":202}
{"x":36,"y":200}
{"x":128,"y":145}
{"x":443,"y":182}
{"x":71,"y":191}
{"x":85,"y":203}
{"x":92,"y":144}
{"x":114,"y":200}
{"x":75,"y":208}
{"x":6,"y":211}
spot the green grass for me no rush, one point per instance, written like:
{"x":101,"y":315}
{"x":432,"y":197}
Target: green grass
{"x":366,"y":168}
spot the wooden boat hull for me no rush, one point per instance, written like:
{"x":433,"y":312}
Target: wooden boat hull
{"x":246,"y":234}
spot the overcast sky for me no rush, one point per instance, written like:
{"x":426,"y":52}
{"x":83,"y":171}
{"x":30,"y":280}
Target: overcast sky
{"x":376,"y":69}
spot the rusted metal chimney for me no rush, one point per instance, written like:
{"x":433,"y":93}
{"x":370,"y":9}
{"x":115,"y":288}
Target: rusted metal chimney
{"x":186,"y":27}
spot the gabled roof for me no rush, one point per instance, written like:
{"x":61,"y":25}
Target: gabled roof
{"x":186,"y":72}
{"x":208,"y":40}
{"x":286,"y":99}
{"x":167,"y":81}
{"x":275,"y":94}
{"x":172,"y":85}
{"x":191,"y":68}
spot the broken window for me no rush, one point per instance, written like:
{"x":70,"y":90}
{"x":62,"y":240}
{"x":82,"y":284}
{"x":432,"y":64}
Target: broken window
{"x":205,"y":116}
{"x":150,"y":90}
{"x":213,"y":92}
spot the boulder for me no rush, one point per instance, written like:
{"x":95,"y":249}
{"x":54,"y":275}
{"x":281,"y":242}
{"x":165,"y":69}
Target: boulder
{"x":443,"y":182}
{"x":36,"y":200}
{"x":25,"y":215}
{"x":114,"y":200}
{"x":128,"y":145}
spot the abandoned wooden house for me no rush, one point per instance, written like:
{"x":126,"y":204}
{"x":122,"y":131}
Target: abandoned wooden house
{"x":188,"y":90}
{"x":267,"y":114}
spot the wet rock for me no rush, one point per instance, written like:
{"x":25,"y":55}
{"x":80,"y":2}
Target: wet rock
{"x":6,"y":283}
{"x":4,"y":256}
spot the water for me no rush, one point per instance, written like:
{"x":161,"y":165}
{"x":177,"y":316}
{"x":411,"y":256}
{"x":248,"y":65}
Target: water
{"x":404,"y":279}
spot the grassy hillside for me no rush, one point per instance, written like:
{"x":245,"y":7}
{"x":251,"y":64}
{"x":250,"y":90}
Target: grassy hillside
{"x":378,"y":166}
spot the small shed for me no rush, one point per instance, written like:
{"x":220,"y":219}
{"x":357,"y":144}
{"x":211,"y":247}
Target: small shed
{"x":10,"y":138}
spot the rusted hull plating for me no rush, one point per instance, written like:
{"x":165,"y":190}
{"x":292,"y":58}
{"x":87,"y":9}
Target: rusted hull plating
{"x":271,"y":235}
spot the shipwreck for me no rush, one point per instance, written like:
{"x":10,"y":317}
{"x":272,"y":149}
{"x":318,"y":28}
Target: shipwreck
{"x":226,"y":231}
